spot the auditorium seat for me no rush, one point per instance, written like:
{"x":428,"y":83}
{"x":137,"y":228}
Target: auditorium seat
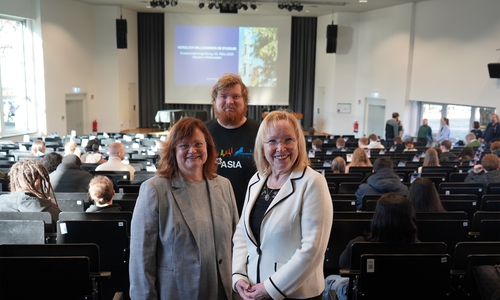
{"x":22,"y":232}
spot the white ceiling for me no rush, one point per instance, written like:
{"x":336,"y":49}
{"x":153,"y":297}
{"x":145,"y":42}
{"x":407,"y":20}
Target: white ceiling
{"x":312,"y":8}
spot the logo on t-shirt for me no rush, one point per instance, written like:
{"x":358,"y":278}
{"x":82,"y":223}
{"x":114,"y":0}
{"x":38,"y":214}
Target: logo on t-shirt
{"x":230,"y":159}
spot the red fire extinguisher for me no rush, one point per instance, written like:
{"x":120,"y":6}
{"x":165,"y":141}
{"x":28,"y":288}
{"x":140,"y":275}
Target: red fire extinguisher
{"x":94,"y":126}
{"x":356,"y":126}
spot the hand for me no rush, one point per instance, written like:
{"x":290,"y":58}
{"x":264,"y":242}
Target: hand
{"x":242,"y":288}
{"x":258,"y":292}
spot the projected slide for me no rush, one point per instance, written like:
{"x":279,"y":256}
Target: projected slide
{"x":201,"y":52}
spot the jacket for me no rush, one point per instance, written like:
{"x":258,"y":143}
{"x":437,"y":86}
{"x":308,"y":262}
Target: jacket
{"x":70,"y":178}
{"x":484,"y":178}
{"x":294,"y":235}
{"x":164,"y":246}
{"x":381,"y":182}
{"x":21,"y":201}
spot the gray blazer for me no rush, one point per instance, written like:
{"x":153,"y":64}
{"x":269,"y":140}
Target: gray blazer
{"x":164,"y":251}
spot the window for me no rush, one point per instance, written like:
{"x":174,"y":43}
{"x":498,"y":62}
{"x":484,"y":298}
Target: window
{"x":16,"y":77}
{"x":461,"y":117}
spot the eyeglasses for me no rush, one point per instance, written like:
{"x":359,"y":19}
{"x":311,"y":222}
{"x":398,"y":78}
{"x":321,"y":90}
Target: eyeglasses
{"x":196,"y":145}
{"x":286,"y":142}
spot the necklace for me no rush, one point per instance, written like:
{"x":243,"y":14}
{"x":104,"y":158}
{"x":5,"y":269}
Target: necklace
{"x":268,"y":193}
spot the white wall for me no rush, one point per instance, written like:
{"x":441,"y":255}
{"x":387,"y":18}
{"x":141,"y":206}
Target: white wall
{"x":429,"y":51}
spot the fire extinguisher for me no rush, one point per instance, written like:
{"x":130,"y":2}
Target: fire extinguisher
{"x":94,"y":126}
{"x":356,"y":126}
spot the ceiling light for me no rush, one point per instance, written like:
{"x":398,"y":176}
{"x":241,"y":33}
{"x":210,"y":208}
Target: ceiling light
{"x":174,"y":3}
{"x":201,"y":4}
{"x":162,"y":4}
{"x":153,"y":4}
{"x":210,"y":5}
{"x":244,"y":6}
{"x":280,"y":5}
{"x":253,"y":6}
{"x":299,"y":7}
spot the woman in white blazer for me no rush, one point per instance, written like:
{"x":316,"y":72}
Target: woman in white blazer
{"x":281,"y":238}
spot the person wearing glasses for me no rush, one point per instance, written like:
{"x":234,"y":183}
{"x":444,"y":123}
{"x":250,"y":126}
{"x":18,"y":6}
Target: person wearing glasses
{"x":183,"y":222}
{"x":281,"y":238}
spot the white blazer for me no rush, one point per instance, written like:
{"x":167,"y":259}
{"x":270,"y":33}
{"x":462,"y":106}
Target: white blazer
{"x":294,"y":236}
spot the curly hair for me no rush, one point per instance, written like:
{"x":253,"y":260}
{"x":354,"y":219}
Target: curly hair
{"x":31,"y":176}
{"x":360,"y":158}
{"x":51,"y":160}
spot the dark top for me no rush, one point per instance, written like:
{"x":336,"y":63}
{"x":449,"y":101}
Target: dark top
{"x":109,"y":208}
{"x":266,"y":196}
{"x":484,"y":178}
{"x":491,"y":132}
{"x":381,"y":182}
{"x":477,"y":132}
{"x":235,"y":153}
{"x":21,"y":201}
{"x":70,"y":178}
{"x":345,"y":257}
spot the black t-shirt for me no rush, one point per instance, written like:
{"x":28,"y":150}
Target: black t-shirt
{"x":235,"y":152}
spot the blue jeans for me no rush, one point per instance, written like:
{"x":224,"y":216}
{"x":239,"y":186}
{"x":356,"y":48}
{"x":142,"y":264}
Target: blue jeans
{"x":337,"y":284}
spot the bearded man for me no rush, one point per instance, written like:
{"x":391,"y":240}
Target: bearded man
{"x":234,"y":134}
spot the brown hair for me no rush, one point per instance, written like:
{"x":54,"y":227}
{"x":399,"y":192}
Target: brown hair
{"x":490,"y":162}
{"x":340,"y":142}
{"x":373,"y":137}
{"x":495,"y":146}
{"x":338,"y":165}
{"x":37,"y":145}
{"x":363,"y":140}
{"x":360,"y":158}
{"x":446,"y":144}
{"x":101,"y":189}
{"x":183,"y":129}
{"x":424,"y":196}
{"x":227,"y":81}
{"x":31,"y":176}
{"x":431,"y":158}
{"x":318,"y":143}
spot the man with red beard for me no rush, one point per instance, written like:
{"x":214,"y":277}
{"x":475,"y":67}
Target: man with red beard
{"x":234,"y":134}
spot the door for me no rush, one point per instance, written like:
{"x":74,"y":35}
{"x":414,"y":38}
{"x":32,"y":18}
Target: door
{"x":132,"y":104}
{"x":375,"y":112}
{"x":74,"y":116}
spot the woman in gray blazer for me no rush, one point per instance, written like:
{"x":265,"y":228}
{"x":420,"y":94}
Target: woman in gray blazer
{"x":183,"y":222}
{"x":280,"y":241}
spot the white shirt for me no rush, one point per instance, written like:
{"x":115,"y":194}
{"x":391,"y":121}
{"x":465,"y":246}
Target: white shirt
{"x":115,"y":164}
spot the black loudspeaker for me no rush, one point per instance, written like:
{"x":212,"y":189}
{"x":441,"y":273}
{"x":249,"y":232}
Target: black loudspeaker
{"x":331,"y":38}
{"x":121,"y":33}
{"x":494,"y":69}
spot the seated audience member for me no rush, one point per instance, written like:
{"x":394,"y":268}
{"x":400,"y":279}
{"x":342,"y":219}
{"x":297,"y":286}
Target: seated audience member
{"x":359,"y":159}
{"x":92,"y":155}
{"x":338,"y":165}
{"x":424,"y":196}
{"x":409,"y":147}
{"x":487,"y":172}
{"x":374,"y":143}
{"x":101,"y":192}
{"x":30,"y":190}
{"x":69,"y":176}
{"x":471,"y":140}
{"x":38,"y":148}
{"x":445,"y":148}
{"x":317,"y":144}
{"x":466,"y":154}
{"x":363,"y":142}
{"x":495,"y":148}
{"x":72,"y":148}
{"x":340,"y":145}
{"x":398,"y":146}
{"x":476,"y":130}
{"x":384,"y":180}
{"x":114,"y":163}
{"x":431,"y":159}
{"x":51,"y":161}
{"x":393,"y":222}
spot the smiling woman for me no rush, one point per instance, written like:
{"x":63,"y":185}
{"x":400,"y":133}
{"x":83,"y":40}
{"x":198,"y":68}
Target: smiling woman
{"x":183,"y":222}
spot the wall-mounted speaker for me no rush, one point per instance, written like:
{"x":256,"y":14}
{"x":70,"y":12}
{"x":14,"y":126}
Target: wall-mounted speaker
{"x":331,"y":38}
{"x":494,"y":70}
{"x":121,"y":33}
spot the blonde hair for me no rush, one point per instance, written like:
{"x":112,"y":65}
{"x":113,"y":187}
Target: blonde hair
{"x":360,"y":158}
{"x":101,"y":190}
{"x":31,"y":176}
{"x":72,"y":148}
{"x":269,"y":122}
